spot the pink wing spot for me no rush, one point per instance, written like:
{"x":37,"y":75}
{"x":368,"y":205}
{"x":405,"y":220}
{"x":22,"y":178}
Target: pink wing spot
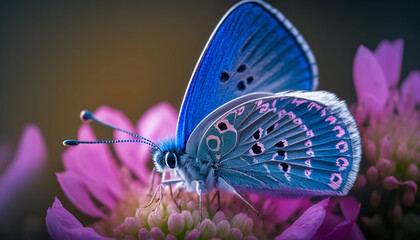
{"x":282,"y":98}
{"x":342,"y":163}
{"x":310,"y":152}
{"x":298,"y":102}
{"x":331,"y":119}
{"x":323,"y":112}
{"x":281,"y":113}
{"x":241,"y":110}
{"x":217,"y":156}
{"x":342,"y":146}
{"x":287,"y":176}
{"x":309,"y":133}
{"x":297,"y":121}
{"x":341,"y":132}
{"x":336,"y":180}
{"x":259,"y":102}
{"x":213,"y":139}
{"x":308,"y":162}
{"x":274,"y":103}
{"x":291,"y":115}
{"x":254,"y":160}
{"x":263,"y":107}
{"x":313,"y":104}
{"x":308,"y":143}
{"x":308,"y":173}
{"x":303,"y":127}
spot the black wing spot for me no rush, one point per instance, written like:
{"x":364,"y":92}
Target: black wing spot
{"x":249,"y":80}
{"x":281,"y":152}
{"x":222,"y":126}
{"x":257,"y":135}
{"x":284,"y":167}
{"x":256,"y":149}
{"x":279,"y":144}
{"x":241,"y":85}
{"x":241,"y":68}
{"x":224,"y":76}
{"x":270,"y":129}
{"x":335,"y":179}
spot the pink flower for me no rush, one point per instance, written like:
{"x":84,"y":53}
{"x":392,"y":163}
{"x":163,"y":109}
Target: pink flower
{"x":91,"y":172}
{"x":389,"y":122}
{"x":20,"y":170}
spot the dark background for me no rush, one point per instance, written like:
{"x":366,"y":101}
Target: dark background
{"x":59,"y":57}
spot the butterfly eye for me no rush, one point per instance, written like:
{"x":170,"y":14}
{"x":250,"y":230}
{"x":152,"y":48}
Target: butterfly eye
{"x":171,"y":160}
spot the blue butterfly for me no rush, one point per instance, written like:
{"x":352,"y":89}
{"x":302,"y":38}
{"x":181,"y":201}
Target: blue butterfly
{"x":248,"y":122}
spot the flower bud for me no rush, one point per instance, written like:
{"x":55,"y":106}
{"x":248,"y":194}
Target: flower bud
{"x":141,"y":216}
{"x":250,"y":238}
{"x":390,"y":183}
{"x":143,"y":234}
{"x":374,"y":224}
{"x":385,"y":167}
{"x":155,"y":220}
{"x":385,"y":150}
{"x":235,"y":234}
{"x":397,"y":214}
{"x":219,"y":216}
{"x":171,"y":208}
{"x":132,"y":225}
{"x":372,"y":174}
{"x":176,"y":223}
{"x":408,"y":198}
{"x":412,"y":171}
{"x":189,"y":221}
{"x":402,"y":152}
{"x":370,"y":151}
{"x":170,"y":237}
{"x":156,"y":233}
{"x":375,"y":199}
{"x":193,"y":235}
{"x":196,"y":217}
{"x":360,"y":182}
{"x":207,"y":229}
{"x":242,"y":222}
{"x":223,"y":229}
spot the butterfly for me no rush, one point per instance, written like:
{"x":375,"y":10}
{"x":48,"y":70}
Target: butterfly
{"x":249,"y":121}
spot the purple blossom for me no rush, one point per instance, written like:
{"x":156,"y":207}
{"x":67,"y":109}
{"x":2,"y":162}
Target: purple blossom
{"x":91,"y":172}
{"x":389,"y":122}
{"x":19,"y":171}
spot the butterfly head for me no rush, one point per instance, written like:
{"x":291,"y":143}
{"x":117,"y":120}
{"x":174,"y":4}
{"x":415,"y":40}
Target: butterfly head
{"x":167,"y":156}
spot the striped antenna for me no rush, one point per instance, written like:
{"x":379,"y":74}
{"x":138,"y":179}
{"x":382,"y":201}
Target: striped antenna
{"x":87,"y":116}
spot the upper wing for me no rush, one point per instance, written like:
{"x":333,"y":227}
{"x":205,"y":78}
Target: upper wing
{"x":254,"y":48}
{"x":287,"y":144}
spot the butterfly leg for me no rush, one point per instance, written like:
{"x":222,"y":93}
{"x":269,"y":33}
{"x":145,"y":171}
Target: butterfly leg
{"x":153,"y":180}
{"x":216,"y":195}
{"x":223,"y":184}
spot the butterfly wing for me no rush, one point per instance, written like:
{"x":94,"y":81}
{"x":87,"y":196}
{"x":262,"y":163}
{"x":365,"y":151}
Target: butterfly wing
{"x":287,"y":144}
{"x":254,"y":48}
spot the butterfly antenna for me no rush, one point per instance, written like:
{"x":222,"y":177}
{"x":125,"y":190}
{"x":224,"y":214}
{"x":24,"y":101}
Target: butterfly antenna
{"x":86,"y":115}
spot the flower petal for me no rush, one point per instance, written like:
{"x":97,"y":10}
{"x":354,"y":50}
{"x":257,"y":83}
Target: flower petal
{"x":349,"y":207}
{"x":95,"y":167}
{"x":286,"y":207}
{"x":5,"y":155}
{"x":411,"y":86}
{"x":77,"y":192}
{"x":63,"y":225}
{"x":389,"y":55}
{"x":28,"y":161}
{"x":157,"y":123}
{"x":127,"y":152}
{"x":346,"y":230}
{"x":369,"y":80}
{"x":307,"y":224}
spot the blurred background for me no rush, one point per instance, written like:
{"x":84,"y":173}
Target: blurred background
{"x":59,"y":57}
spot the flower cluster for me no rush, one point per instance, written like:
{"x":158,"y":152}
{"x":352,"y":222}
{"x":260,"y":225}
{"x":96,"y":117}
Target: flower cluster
{"x":389,"y":122}
{"x":93,"y":176}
